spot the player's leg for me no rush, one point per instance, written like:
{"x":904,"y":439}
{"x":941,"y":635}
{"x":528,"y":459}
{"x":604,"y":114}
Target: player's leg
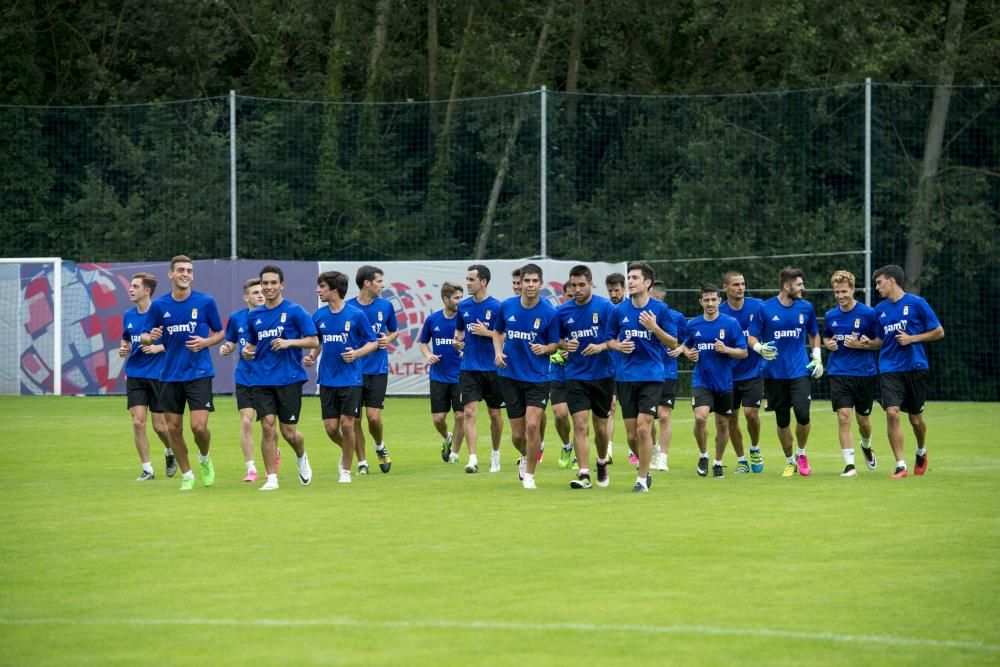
{"x":244,"y":405}
{"x":721,"y":438}
{"x":469,"y":413}
{"x":611,"y":425}
{"x":564,"y":425}
{"x":139,"y":414}
{"x":533,"y":434}
{"x":455,"y":404}
{"x":644,"y":437}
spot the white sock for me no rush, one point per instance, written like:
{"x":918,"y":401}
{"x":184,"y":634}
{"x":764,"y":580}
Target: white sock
{"x":799,"y":451}
{"x":848,"y":456}
{"x":921,"y":451}
{"x":790,"y":459}
{"x":379,"y":447}
{"x":167,"y":451}
{"x":754,"y":448}
{"x":473,"y":460}
{"x":528,"y":476}
{"x":567,"y":447}
{"x":641,"y":480}
{"x":704,"y":455}
{"x":665,"y":457}
{"x":251,"y":466}
{"x":901,"y":464}
{"x":741,"y":459}
{"x":585,"y":471}
{"x":272,"y":477}
{"x":362,"y":462}
{"x":148,"y":467}
{"x":716,"y":462}
{"x":202,"y":459}
{"x":866,"y":443}
{"x":188,"y":475}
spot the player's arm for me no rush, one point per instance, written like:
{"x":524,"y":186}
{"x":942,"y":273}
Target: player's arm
{"x":425,"y":350}
{"x":648,"y":320}
{"x":305,"y":343}
{"x":831,"y":344}
{"x":908,"y":339}
{"x":816,"y":365}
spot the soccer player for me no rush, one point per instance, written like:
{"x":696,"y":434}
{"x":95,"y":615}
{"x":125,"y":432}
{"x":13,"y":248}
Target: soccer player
{"x":142,"y":371}
{"x":614,"y":283}
{"x":639,"y":327}
{"x":788,"y":320}
{"x":345,"y":337}
{"x":851,"y":367}
{"x":527,"y":333}
{"x":713,"y":342}
{"x":515,"y":281}
{"x":748,"y":379}
{"x":278,"y":332}
{"x":444,"y":361}
{"x":590,"y":373}
{"x":664,"y":412}
{"x":477,"y":319}
{"x":382,"y":317}
{"x":906,"y":322}
{"x":187,"y":322}
{"x":235,"y":339}
{"x":557,"y":395}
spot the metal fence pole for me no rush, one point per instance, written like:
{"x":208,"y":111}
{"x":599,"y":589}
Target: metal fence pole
{"x":543,"y":183}
{"x":868,"y":191}
{"x":232,"y":174}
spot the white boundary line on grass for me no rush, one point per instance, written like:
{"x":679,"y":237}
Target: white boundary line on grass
{"x":531,"y":627}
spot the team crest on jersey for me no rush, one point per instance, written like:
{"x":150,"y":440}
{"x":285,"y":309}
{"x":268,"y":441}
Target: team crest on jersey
{"x":489,"y":313}
{"x":283,"y":317}
{"x":802,"y":318}
{"x":722,"y":334}
{"x":347,"y":326}
{"x":906,"y":310}
{"x":595,"y":318}
{"x":194,"y":313}
{"x":538,"y":322}
{"x":857,"y":323}
{"x":379,"y":316}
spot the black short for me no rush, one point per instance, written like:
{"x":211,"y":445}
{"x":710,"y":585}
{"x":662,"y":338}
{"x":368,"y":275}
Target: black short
{"x":557,"y":392}
{"x":445,"y":396}
{"x":636,"y":397}
{"x":748,"y":393}
{"x":481,"y":385}
{"x":593,"y":395}
{"x":853,"y":391}
{"x":783,"y":395}
{"x":373,"y":391}
{"x":196,"y":393}
{"x":519,"y":396}
{"x":668,"y":393}
{"x":244,"y":397}
{"x":336,"y":402}
{"x":143,"y":391}
{"x":906,"y":390}
{"x":719,"y":402}
{"x":283,"y":400}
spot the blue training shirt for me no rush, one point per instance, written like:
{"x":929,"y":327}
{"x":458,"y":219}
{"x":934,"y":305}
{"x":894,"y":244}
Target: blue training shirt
{"x":439,"y":332}
{"x":237,"y":332}
{"x":277,"y":368}
{"x":521,"y":328}
{"x":137,"y":363}
{"x":645,"y":363}
{"x":749,"y":317}
{"x":197,"y":315}
{"x":587,"y":324}
{"x":670,"y":363}
{"x":788,"y":327}
{"x":348,"y":328}
{"x":714,"y":370}
{"x":838,"y":325}
{"x":910,"y":314}
{"x":478,"y":354}
{"x":382,"y":318}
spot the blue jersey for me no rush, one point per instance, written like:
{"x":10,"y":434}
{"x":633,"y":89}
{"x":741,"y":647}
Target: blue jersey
{"x":478,"y":354}
{"x":749,"y":317}
{"x":277,"y":368}
{"x":912,"y":315}
{"x":382,"y":317}
{"x":838,"y":325}
{"x":670,"y":363}
{"x":521,"y":328}
{"x":588,"y":325}
{"x":645,"y":363}
{"x":197,"y":315}
{"x":439,"y":332}
{"x":138,"y":364}
{"x":237,"y":332}
{"x":787,"y":327}
{"x":348,"y":328}
{"x":714,"y":370}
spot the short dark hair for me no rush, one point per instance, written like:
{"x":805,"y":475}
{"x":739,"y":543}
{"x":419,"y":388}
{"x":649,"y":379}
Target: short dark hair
{"x":614,"y":279}
{"x":180,"y":259}
{"x":481,"y":271}
{"x":789,"y":274}
{"x":582,"y":270}
{"x":644,"y":268}
{"x":252,"y":282}
{"x":658,"y":289}
{"x":367,"y":273}
{"x":271,"y":268}
{"x":709,"y":288}
{"x":334,"y":280}
{"x":516,"y":273}
{"x":148,"y":281}
{"x":893,"y":271}
{"x":533,"y":269}
{"x":448,"y":289}
{"x":728,"y":276}
{"x":566,"y":286}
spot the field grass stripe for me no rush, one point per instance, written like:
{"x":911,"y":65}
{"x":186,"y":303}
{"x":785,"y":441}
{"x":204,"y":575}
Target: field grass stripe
{"x":514,"y":626}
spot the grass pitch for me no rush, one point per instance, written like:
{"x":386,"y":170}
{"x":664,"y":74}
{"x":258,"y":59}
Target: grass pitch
{"x":429,"y":565}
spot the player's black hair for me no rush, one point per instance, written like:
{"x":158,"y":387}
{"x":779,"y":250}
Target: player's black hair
{"x":367,"y":273}
{"x":709,"y":288}
{"x":582,"y":270}
{"x":645,"y":269}
{"x":789,"y":274}
{"x":448,"y":289}
{"x":614,"y":279}
{"x":148,"y":281}
{"x":532,"y":269}
{"x":893,"y":271}
{"x":271,"y":268}
{"x":334,"y":280}
{"x":481,"y":271}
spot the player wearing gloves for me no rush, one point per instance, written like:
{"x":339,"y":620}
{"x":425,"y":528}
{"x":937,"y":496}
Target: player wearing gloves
{"x":787,"y":321}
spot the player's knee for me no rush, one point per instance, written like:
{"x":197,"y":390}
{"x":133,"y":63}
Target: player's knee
{"x":783,"y":418}
{"x":844,"y":417}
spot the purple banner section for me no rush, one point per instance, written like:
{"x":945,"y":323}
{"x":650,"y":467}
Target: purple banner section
{"x":95,"y":296}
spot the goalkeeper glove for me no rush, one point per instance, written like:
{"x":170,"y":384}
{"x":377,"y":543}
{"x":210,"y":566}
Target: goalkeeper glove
{"x":816,"y":365}
{"x":558,"y":358}
{"x":767,"y":350}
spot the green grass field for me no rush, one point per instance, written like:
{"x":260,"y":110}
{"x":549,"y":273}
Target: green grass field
{"x":428,"y":565}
